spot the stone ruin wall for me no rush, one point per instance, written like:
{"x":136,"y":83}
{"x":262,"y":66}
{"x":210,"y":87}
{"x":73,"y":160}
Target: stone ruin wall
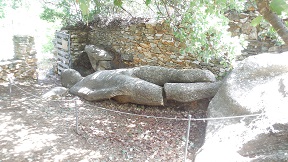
{"x":24,"y":63}
{"x":79,"y":39}
{"x":141,"y":42}
{"x":240,"y":24}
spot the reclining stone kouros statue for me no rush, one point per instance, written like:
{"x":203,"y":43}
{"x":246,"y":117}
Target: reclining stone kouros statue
{"x":147,"y":85}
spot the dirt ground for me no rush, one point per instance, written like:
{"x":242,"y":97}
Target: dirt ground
{"x":34,"y":129}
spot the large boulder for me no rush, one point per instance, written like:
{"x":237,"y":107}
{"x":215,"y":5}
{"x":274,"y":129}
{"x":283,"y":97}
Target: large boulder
{"x":258,"y":84}
{"x":69,"y":77}
{"x":100,"y":59}
{"x":120,"y":85}
{"x":189,"y":92}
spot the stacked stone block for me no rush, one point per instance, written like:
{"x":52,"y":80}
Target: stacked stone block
{"x":240,"y":24}
{"x":24,"y":63}
{"x":78,"y":40}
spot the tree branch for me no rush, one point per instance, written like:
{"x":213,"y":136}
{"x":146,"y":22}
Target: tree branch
{"x":150,"y":8}
{"x":126,"y":11}
{"x":79,"y":13}
{"x":157,"y":5}
{"x":167,"y":12}
{"x":273,"y":19}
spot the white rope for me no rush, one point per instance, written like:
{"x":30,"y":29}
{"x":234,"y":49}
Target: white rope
{"x":26,"y":91}
{"x":167,"y":118}
{"x":148,"y":116}
{"x":132,"y":114}
{"x":40,"y":98}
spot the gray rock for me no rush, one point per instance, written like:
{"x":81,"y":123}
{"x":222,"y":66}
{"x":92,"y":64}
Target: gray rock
{"x":161,"y":75}
{"x":104,"y":65}
{"x":69,"y":77}
{"x":127,"y":56}
{"x":55,"y":93}
{"x":97,"y":54}
{"x":274,"y":49}
{"x":119,"y":85}
{"x":257,"y":85}
{"x":188,"y":92}
{"x":276,"y":145}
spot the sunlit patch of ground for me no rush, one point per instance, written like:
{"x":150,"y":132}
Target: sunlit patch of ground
{"x":32,"y":129}
{"x":37,"y":133}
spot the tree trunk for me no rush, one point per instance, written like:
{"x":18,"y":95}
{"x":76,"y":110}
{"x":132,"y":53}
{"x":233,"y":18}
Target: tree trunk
{"x":273,"y":19}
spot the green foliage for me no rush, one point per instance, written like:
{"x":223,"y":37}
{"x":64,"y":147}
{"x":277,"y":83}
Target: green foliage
{"x":199,"y":24}
{"x":51,"y":15}
{"x":256,"y":21}
{"x":147,"y":2}
{"x":14,"y":4}
{"x":279,"y":6}
{"x":204,"y":31}
{"x":23,"y":17}
{"x":48,"y":47}
{"x":74,"y":11}
{"x":118,"y":3}
{"x":268,"y":32}
{"x":65,"y":10}
{"x":2,"y":6}
{"x":84,"y":6}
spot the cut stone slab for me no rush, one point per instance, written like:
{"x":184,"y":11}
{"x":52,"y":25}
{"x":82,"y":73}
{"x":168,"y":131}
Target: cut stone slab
{"x":97,"y":54}
{"x":188,"y":92}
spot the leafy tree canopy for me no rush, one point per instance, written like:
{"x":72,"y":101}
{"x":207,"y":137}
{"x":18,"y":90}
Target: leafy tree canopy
{"x":200,"y":24}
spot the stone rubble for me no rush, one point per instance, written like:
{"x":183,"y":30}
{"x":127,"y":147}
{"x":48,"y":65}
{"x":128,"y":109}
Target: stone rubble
{"x":24,"y":63}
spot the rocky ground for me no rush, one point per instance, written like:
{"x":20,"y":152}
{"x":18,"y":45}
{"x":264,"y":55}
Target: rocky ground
{"x":33,"y":129}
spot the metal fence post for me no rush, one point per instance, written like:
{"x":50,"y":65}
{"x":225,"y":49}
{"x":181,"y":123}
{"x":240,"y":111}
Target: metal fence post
{"x":187,"y":138}
{"x":76,"y":113}
{"x":10,"y":91}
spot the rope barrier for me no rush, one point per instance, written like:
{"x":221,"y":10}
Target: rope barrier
{"x":26,"y":91}
{"x":40,"y":98}
{"x":148,"y":116}
{"x":184,"y":119}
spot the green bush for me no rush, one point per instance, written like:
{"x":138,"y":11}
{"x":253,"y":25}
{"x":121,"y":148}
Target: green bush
{"x":204,"y":31}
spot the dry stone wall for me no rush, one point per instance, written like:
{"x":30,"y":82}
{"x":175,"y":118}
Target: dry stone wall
{"x":141,"y":42}
{"x":78,"y":42}
{"x":240,"y":24}
{"x":24,"y":63}
{"x":79,"y":39}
